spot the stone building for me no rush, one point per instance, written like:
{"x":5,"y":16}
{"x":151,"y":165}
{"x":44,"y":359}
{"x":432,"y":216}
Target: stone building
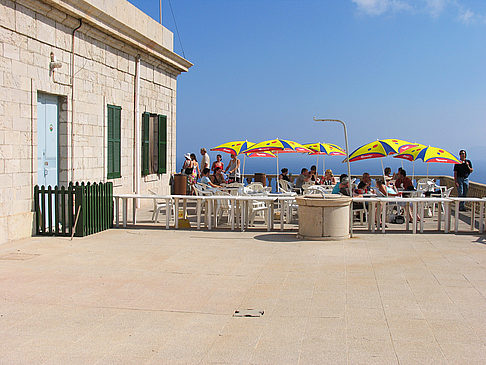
{"x":87,"y":93}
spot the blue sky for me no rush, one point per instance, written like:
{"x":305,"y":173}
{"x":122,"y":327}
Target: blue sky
{"x":410,"y":69}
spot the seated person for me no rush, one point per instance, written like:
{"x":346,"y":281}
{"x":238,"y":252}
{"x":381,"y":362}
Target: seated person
{"x":365,"y":183}
{"x":395,"y":175}
{"x":303,"y":178}
{"x":385,"y":190}
{"x":387,"y":175}
{"x":284,"y":175}
{"x":218,"y":177}
{"x":403,"y":182}
{"x":338,"y":186}
{"x":314,"y":176}
{"x":328,"y":178}
{"x":206,"y":180}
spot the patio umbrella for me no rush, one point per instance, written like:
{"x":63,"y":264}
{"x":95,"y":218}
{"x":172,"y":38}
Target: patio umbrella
{"x":410,"y":155}
{"x":278,"y":146}
{"x":234,"y":147}
{"x":428,"y":154}
{"x":324,"y":149}
{"x":380,"y":148}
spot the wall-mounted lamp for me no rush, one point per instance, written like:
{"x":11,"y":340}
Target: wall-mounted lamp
{"x":54,"y":63}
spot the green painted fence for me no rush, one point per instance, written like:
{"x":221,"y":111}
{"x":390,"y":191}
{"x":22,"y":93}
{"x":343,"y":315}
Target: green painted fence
{"x":85,"y":208}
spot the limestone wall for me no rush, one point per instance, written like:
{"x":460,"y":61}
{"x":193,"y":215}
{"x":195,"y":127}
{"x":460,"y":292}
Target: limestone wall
{"x":104,"y":73}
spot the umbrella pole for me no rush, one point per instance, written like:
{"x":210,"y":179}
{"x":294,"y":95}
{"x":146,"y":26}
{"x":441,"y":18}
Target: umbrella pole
{"x":243,"y":175}
{"x":384,"y":179}
{"x":427,"y":170}
{"x":323,"y":165}
{"x":278,"y":185}
{"x":317,"y":164}
{"x":413,"y":170}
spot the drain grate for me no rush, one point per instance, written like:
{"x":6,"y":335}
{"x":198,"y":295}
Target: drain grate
{"x":18,"y":256}
{"x":248,"y":313}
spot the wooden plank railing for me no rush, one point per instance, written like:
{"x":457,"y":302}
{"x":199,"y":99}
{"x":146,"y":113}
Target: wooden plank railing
{"x":85,"y":208}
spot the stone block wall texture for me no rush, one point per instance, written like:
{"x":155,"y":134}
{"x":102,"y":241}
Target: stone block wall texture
{"x":104,"y":73}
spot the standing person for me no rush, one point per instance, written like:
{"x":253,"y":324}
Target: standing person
{"x":194,"y":173}
{"x":217,"y":163}
{"x":186,"y":166}
{"x":205,"y":163}
{"x":234,"y":169}
{"x":461,"y":177}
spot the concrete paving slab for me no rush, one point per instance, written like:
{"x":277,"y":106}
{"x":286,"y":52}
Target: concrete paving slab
{"x":150,"y":296}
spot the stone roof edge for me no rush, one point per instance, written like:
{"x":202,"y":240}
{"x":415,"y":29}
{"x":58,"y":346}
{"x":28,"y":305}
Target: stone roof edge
{"x":112,"y":26}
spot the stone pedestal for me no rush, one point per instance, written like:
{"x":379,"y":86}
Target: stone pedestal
{"x":323,"y":218}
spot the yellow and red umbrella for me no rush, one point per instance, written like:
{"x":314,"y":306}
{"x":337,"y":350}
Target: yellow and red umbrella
{"x":278,"y":146}
{"x":234,"y":148}
{"x":380,"y":148}
{"x":325,"y":149}
{"x":238,"y":147}
{"x":261,"y":154}
{"x":428,"y":154}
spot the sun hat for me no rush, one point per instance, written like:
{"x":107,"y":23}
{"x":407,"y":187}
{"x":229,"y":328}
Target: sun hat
{"x":187,"y":156}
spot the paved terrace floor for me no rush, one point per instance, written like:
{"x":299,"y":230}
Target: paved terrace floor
{"x":150,"y":296}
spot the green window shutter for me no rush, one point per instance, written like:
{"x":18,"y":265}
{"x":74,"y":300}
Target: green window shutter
{"x":114,"y":141}
{"x":145,"y":143}
{"x":162,"y":144}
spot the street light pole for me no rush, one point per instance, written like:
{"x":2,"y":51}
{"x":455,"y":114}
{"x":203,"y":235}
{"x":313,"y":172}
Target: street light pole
{"x":350,"y":183}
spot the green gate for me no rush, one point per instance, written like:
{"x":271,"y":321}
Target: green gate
{"x":84,"y":208}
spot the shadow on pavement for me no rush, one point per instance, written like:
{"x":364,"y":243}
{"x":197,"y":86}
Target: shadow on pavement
{"x":278,"y":237}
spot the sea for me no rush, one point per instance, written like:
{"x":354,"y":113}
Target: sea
{"x":295,"y":162}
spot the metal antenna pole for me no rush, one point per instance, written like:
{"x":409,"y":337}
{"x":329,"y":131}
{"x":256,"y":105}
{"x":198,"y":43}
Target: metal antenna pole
{"x":350,"y":184}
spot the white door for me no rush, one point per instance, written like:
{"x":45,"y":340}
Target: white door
{"x":47,"y":151}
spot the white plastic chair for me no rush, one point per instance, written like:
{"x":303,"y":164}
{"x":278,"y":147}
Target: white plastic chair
{"x":159,"y":206}
{"x":222,"y":205}
{"x":260,"y":209}
{"x":286,"y":186}
{"x":443,"y":194}
{"x":203,"y":189}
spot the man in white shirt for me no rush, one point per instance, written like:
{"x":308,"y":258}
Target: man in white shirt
{"x":205,"y":159}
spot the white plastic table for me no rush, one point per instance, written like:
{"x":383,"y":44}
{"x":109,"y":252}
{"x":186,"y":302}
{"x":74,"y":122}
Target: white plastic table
{"x":126,"y":197}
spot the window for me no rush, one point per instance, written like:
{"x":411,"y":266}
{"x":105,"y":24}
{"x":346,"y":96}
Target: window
{"x":154,"y":144}
{"x":114,"y":141}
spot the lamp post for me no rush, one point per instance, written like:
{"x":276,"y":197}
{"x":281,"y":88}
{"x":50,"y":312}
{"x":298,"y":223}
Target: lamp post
{"x":350,"y":183}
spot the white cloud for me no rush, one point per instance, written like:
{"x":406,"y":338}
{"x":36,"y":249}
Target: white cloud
{"x":378,"y":7}
{"x":467,"y":16}
{"x":434,"y":8}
